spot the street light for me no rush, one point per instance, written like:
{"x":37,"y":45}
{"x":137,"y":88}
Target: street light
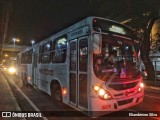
{"x":6,"y":55}
{"x":15,"y":40}
{"x":32,"y":42}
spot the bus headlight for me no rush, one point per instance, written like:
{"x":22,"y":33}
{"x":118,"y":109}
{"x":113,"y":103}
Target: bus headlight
{"x":103,"y":94}
{"x":12,"y":70}
{"x":141,"y":86}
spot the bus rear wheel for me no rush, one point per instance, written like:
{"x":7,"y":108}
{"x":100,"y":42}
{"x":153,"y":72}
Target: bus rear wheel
{"x":56,"y":94}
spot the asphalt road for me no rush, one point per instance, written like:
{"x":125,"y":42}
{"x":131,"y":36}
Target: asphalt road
{"x":40,"y":101}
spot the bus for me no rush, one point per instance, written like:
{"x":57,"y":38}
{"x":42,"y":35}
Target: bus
{"x":65,"y":65}
{"x":10,"y":65}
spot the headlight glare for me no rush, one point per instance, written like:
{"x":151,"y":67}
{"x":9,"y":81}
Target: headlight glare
{"x":12,"y":70}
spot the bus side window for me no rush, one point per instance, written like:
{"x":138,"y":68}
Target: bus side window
{"x":59,"y":52}
{"x":45,"y":53}
{"x":53,"y":52}
{"x":40,"y":52}
{"x":73,"y":56}
{"x":30,"y":56}
{"x":22,"y":58}
{"x":83,"y":55}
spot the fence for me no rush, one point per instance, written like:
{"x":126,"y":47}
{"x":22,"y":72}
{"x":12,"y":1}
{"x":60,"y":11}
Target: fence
{"x":156,"y":81}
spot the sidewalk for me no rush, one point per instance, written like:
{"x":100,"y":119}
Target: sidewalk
{"x":7,"y":99}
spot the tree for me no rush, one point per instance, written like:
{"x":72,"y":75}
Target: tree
{"x":145,"y":49}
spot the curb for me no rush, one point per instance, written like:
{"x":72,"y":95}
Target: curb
{"x":17,"y":107}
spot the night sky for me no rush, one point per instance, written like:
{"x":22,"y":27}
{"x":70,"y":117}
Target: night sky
{"x":38,"y":19}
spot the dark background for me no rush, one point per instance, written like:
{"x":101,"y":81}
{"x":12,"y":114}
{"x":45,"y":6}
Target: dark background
{"x":38,"y":19}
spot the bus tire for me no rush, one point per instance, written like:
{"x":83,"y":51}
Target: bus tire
{"x":56,"y":94}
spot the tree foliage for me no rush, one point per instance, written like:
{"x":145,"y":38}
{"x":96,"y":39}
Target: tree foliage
{"x":146,"y":48}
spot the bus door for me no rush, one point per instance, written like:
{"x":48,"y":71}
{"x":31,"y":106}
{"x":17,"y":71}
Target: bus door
{"x":34,"y":68}
{"x":78,"y":73}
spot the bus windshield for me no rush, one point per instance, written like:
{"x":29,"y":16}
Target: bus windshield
{"x":117,"y":53}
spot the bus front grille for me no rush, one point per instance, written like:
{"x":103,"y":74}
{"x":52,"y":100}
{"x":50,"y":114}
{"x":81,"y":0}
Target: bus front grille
{"x":123,"y":86}
{"x":123,"y":102}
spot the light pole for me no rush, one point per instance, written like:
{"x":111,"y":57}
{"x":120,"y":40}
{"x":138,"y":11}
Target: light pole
{"x":6,"y":55}
{"x":14,"y":41}
{"x":32,"y":42}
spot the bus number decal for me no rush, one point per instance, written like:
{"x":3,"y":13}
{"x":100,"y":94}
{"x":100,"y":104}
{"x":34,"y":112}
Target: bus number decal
{"x":46,"y":72}
{"x":106,"y":107}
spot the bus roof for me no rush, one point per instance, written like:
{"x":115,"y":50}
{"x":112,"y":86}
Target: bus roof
{"x":84,"y":22}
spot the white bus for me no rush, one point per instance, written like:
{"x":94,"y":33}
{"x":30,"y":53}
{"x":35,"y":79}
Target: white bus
{"x":72,"y":66}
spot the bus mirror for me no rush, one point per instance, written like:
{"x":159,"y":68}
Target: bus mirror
{"x":97,"y":43}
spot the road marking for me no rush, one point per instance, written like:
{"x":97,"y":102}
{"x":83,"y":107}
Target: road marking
{"x":152,"y":96}
{"x":31,"y":103}
{"x":152,"y":87}
{"x":13,"y":98}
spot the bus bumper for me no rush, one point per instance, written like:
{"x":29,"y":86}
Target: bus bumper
{"x":101,"y":107}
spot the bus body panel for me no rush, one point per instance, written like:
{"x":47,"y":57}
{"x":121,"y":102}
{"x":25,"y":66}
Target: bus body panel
{"x":108,"y":106}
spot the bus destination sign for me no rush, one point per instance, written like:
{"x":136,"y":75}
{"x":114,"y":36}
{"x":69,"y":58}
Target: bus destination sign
{"x":108,"y":26}
{"x":117,"y":29}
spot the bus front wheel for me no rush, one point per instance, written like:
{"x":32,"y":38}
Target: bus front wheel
{"x":56,"y":94}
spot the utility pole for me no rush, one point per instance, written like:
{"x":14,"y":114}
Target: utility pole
{"x":6,"y":11}
{"x":2,"y":21}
